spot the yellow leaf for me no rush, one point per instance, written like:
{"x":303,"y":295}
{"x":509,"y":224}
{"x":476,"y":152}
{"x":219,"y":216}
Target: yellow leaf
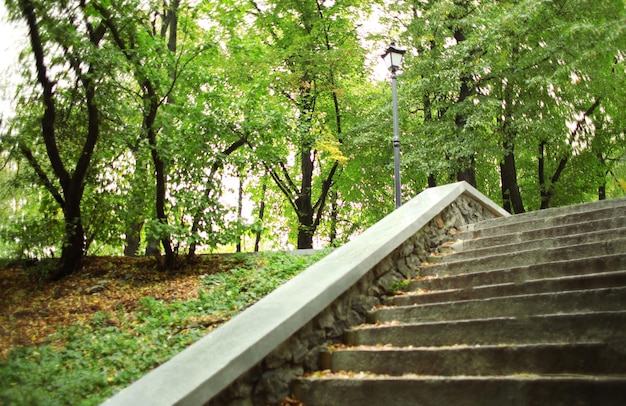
{"x":329,"y":144}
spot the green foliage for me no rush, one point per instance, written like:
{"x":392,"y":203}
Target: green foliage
{"x":107,"y":353}
{"x":399,"y":286}
{"x":483,"y":78}
{"x":254,"y":87}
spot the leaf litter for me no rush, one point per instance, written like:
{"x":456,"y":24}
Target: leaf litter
{"x":32,"y":309}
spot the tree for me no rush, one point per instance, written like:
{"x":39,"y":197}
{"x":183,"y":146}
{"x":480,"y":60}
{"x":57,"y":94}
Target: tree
{"x":73,"y":69}
{"x":154,"y":93}
{"x":147,"y":98}
{"x":519,"y":81}
{"x":314,"y":47}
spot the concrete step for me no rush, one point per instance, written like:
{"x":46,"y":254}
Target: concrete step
{"x":592,"y":326}
{"x":534,"y":256}
{"x":519,"y":274}
{"x":544,"y":358}
{"x":580,"y":301}
{"x":530,"y":310}
{"x":468,"y":243}
{"x":553,"y":217}
{"x":463,"y":250}
{"x":411,"y":390}
{"x":451,"y":289}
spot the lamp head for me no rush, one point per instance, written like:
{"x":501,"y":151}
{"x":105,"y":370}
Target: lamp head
{"x":393,"y":57}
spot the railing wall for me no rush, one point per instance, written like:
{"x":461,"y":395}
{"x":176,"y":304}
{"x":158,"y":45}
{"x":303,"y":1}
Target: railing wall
{"x":252,"y":359}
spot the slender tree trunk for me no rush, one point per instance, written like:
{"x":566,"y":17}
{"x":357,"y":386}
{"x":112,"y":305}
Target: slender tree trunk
{"x":602,"y":191}
{"x":541,"y":173}
{"x":466,"y":162}
{"x":137,"y":205}
{"x":602,"y":186}
{"x":428,"y":117}
{"x":151,"y":100}
{"x":159,"y":171}
{"x":432,"y":181}
{"x":239,"y":206}
{"x":334,"y":217}
{"x":257,"y":239}
{"x":303,"y":200}
{"x":511,"y":197}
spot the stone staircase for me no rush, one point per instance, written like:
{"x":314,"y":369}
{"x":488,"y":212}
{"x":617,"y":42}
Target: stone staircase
{"x":524,"y":310}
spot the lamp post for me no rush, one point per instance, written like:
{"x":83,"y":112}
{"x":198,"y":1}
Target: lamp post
{"x":393,"y":59}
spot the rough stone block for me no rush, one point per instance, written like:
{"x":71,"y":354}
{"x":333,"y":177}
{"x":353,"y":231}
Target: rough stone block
{"x":274,"y":385}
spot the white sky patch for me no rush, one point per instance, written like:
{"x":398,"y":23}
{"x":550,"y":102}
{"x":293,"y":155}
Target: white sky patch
{"x":13,"y":38}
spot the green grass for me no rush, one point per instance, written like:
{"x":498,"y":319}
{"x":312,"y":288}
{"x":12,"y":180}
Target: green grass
{"x":100,"y":358}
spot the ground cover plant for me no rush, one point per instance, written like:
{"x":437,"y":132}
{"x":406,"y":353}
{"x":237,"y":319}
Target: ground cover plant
{"x":79,"y":340}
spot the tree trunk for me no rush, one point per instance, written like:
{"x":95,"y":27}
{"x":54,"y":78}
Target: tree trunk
{"x":239,"y":207}
{"x":210,"y":189}
{"x":133,"y":239}
{"x":602,"y":187}
{"x":432,"y":181}
{"x":428,"y":117}
{"x":511,"y":197}
{"x":303,"y":201}
{"x":468,"y":171}
{"x":257,"y":238}
{"x":541,"y":173}
{"x":159,"y":172}
{"x":466,"y":161}
{"x":151,"y":104}
{"x":334,"y":217}
{"x":73,"y":247}
{"x":602,"y":191}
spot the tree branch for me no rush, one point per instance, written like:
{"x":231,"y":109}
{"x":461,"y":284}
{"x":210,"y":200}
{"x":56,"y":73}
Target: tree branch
{"x":41,"y":174}
{"x":321,"y":202}
{"x":49,"y":115}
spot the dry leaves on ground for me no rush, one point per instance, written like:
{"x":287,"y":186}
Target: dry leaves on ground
{"x":32,"y":309}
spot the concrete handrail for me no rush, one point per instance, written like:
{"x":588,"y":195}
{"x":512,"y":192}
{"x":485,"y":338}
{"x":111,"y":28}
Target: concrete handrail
{"x":204,"y":369}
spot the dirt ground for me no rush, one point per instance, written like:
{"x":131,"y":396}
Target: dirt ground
{"x":32,"y":307}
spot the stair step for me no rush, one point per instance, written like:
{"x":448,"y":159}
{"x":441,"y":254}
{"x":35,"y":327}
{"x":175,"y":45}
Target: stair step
{"x":414,"y":390}
{"x":524,"y":310}
{"x":476,"y":276}
{"x":434,"y":290}
{"x":552,"y":217}
{"x":541,"y":255}
{"x":545,"y":358}
{"x":462,"y":251}
{"x":468,"y":242}
{"x":592,"y":326}
{"x":608,"y":299}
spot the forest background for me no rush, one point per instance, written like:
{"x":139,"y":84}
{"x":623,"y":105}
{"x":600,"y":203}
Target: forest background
{"x":146,"y":126}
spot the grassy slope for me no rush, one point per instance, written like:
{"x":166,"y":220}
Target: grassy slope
{"x":79,"y":340}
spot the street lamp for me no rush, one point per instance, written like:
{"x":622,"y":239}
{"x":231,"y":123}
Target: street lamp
{"x":393,"y":59}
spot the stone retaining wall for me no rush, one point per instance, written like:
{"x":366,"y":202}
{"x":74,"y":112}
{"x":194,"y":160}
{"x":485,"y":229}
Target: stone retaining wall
{"x":268,"y":382}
